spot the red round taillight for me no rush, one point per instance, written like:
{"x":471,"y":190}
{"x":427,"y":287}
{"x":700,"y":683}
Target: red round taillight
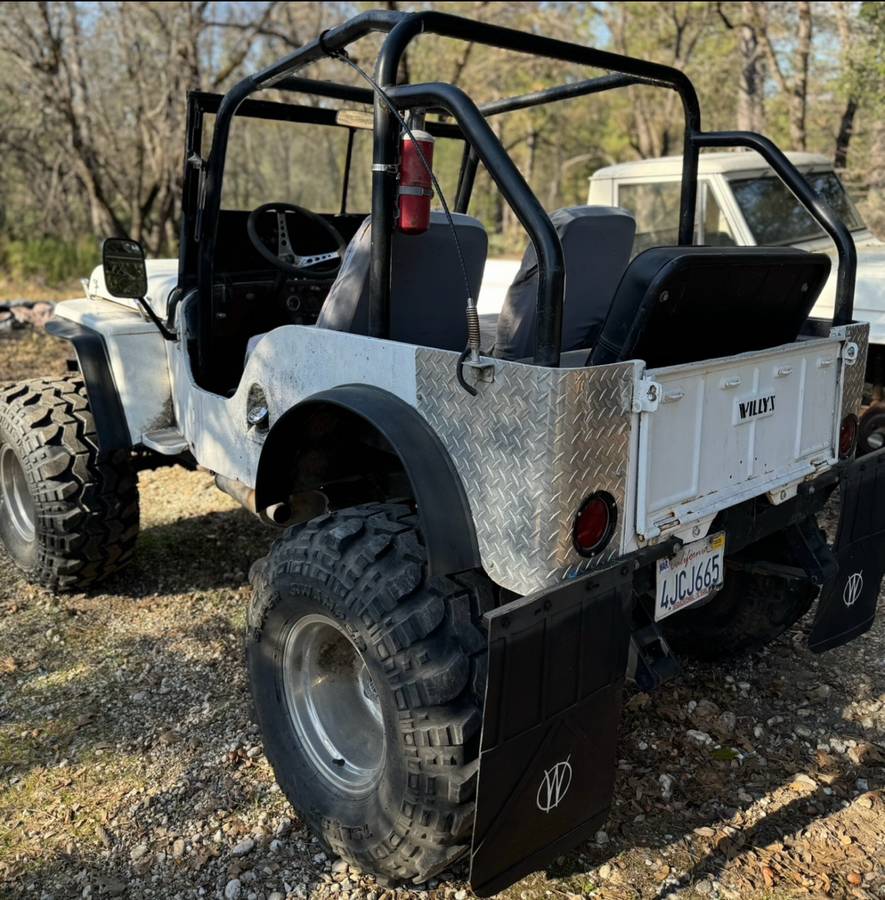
{"x":847,"y":436}
{"x":594,"y":523}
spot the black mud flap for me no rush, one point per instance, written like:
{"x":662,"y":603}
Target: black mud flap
{"x":847,"y":604}
{"x":550,"y":724}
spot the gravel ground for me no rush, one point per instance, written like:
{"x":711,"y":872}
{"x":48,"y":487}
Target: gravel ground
{"x":129,"y":765}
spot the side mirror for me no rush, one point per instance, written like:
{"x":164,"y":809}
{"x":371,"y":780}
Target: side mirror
{"x":125,"y":274}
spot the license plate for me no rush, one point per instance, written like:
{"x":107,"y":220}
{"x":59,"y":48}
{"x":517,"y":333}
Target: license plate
{"x":689,"y":576}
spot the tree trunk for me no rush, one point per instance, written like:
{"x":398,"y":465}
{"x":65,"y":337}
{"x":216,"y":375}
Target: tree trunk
{"x":799,"y":87}
{"x":843,"y":138}
{"x":795,"y":84}
{"x":751,"y":99}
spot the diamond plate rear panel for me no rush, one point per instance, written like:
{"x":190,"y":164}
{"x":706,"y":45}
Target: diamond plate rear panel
{"x":853,"y":381}
{"x":529,"y":447}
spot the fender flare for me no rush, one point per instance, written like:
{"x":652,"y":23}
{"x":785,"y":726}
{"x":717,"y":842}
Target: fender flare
{"x":443,"y":510}
{"x":101,"y":390}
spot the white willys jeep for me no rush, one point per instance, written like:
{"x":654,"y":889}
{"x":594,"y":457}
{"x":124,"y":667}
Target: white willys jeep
{"x":488,"y":524}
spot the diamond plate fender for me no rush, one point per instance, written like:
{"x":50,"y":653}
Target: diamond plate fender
{"x":550,"y":724}
{"x":529,"y":448}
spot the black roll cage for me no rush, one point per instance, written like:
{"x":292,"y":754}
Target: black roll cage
{"x":483,"y":146}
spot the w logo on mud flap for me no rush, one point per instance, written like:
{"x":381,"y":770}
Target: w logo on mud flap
{"x":554,"y":785}
{"x":852,"y":589}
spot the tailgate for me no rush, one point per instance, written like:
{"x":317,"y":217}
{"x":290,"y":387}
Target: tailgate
{"x":722,"y":431}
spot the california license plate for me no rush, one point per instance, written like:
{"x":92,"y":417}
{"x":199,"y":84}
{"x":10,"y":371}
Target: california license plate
{"x":693,"y":573}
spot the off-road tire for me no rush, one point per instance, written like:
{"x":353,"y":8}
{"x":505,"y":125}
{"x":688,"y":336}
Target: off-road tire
{"x":85,"y":503}
{"x":749,"y":612}
{"x":425,"y":650}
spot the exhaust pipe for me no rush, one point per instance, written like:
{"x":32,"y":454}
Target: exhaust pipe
{"x":301,"y":507}
{"x":279,"y":514}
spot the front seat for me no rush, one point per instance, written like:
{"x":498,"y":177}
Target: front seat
{"x":596,"y":244}
{"x":428,"y":296}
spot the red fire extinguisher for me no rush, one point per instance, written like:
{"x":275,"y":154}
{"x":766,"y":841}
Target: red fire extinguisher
{"x":415,"y":185}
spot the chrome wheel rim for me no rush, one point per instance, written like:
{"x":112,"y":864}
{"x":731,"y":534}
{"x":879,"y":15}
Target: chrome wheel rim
{"x":876,"y":439}
{"x":16,"y":502}
{"x":333,"y":705}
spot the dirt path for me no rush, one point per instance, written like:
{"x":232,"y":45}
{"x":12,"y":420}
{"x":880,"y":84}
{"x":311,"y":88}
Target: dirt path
{"x":129,"y":765}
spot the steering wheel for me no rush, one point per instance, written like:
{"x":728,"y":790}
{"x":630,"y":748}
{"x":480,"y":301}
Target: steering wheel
{"x":285,"y":258}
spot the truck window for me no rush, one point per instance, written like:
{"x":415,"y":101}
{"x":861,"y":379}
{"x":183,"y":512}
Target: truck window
{"x":775,"y":216}
{"x":655,"y":206}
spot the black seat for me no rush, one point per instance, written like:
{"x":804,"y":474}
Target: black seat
{"x":428,"y":296}
{"x":596,"y":243}
{"x":678,"y":305}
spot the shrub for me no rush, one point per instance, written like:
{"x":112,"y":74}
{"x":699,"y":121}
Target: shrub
{"x":51,"y":261}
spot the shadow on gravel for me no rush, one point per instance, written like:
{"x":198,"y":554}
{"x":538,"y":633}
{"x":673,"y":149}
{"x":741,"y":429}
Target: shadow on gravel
{"x":790,"y":819}
{"x":204,"y":552}
{"x":96,"y":732}
{"x":137,"y":696}
{"x":771,"y":798}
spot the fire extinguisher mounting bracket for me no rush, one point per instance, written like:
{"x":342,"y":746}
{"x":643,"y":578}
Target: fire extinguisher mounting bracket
{"x":415,"y":190}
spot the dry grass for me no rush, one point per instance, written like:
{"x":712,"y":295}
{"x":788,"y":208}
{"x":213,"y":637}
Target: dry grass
{"x":37,"y":290}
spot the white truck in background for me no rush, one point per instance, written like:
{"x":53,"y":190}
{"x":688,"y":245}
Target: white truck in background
{"x":741,"y":202}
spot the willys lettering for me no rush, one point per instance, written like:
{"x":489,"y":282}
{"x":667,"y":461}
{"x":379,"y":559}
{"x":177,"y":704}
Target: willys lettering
{"x":755,"y":407}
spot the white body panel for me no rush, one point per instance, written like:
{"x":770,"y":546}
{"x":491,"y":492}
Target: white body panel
{"x":869,"y":290}
{"x":735,"y":428}
{"x":289,"y":364}
{"x":138,"y":360}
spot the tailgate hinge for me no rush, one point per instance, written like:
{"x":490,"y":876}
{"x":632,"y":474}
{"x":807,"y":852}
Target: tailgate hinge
{"x":850,"y":353}
{"x":647,"y":395}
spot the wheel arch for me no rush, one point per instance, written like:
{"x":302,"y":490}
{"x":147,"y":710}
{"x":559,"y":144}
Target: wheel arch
{"x":343,"y":422}
{"x":101,"y":390}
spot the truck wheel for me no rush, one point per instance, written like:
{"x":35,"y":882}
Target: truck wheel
{"x":749,"y":612}
{"x":368,"y":678}
{"x":68,"y":515}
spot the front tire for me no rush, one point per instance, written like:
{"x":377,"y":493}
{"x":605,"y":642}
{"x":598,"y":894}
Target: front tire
{"x":68,"y":513}
{"x":367,"y":678}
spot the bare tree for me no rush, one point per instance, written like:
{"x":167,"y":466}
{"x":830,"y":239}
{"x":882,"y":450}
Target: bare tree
{"x":791,"y":77}
{"x":671,"y":33}
{"x":751,"y":84}
{"x":120,"y":136}
{"x":846,"y":120}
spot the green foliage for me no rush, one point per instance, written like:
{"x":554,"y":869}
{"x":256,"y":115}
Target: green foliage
{"x":51,"y":261}
{"x":865,"y":72}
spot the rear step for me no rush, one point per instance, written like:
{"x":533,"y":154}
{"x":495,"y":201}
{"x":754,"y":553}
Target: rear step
{"x":168,"y":441}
